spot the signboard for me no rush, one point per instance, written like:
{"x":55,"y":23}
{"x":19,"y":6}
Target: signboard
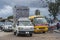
{"x":21,"y":11}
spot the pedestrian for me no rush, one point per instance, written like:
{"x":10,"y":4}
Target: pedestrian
{"x":58,"y":25}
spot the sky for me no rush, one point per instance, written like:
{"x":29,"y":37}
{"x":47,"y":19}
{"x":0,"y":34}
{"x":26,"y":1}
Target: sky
{"x":6,"y":6}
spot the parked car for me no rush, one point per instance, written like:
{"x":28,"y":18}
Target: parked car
{"x":24,"y":26}
{"x":1,"y":24}
{"x":8,"y":26}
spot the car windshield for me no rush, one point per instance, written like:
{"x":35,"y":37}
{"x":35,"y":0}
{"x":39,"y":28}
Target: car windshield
{"x":1,"y":23}
{"x":24,"y":23}
{"x":8,"y":23}
{"x":40,"y":20}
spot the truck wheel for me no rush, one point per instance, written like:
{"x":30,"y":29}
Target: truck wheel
{"x":14,"y":33}
{"x":30,"y":35}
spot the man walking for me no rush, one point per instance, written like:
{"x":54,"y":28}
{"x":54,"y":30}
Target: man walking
{"x":58,"y":25}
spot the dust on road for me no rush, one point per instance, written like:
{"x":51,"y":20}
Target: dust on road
{"x":46,"y":36}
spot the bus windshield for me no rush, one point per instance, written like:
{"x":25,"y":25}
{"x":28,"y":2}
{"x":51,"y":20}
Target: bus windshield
{"x":24,"y":23}
{"x":40,"y":20}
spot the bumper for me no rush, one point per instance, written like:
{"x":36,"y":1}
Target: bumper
{"x":25,"y":32}
{"x":8,"y":29}
{"x":41,"y":30}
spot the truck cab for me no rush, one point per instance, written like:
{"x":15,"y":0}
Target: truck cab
{"x":23,"y":26}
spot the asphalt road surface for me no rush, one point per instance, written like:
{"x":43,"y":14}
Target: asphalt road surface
{"x":46,"y":36}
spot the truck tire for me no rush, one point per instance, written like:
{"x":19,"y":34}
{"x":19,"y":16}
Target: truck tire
{"x":30,"y":35}
{"x":14,"y":33}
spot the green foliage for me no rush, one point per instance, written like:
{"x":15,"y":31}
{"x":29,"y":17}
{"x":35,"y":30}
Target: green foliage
{"x":0,"y":17}
{"x":2,"y":20}
{"x":10,"y":17}
{"x":58,"y":2}
{"x":37,"y":12}
{"x":53,"y":9}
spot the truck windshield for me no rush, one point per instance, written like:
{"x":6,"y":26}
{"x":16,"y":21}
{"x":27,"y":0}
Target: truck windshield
{"x":25,"y":23}
{"x":40,"y":20}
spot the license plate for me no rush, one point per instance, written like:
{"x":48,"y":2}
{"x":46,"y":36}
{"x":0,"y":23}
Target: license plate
{"x":27,"y":32}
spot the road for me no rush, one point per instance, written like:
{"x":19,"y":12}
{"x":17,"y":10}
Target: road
{"x":46,"y":36}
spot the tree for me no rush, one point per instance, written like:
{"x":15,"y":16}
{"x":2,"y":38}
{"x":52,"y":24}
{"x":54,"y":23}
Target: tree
{"x":0,"y":17}
{"x":58,"y":2}
{"x":53,"y":9}
{"x":37,"y":12}
{"x":10,"y":17}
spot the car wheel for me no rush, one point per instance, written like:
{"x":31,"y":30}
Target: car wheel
{"x":2,"y":29}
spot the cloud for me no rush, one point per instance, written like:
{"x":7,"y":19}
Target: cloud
{"x":6,"y":5}
{"x":6,"y":11}
{"x":13,"y":2}
{"x":4,"y":2}
{"x":31,"y":3}
{"x":43,"y":11}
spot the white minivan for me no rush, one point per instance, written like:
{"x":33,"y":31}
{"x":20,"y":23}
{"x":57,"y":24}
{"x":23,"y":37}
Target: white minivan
{"x":23,"y":26}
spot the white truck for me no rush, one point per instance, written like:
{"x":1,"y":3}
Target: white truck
{"x":19,"y":11}
{"x":22,"y":24}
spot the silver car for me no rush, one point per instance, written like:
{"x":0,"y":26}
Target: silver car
{"x":7,"y":26}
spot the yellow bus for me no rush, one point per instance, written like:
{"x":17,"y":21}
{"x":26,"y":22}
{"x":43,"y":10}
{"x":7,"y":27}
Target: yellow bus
{"x":40,"y":23}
